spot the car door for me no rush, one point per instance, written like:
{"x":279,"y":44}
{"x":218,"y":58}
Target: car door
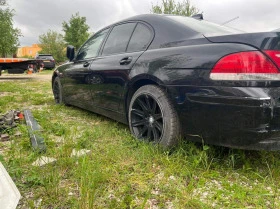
{"x":125,"y":43}
{"x":77,"y":75}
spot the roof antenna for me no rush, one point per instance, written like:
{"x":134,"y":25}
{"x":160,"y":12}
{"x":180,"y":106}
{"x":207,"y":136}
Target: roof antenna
{"x":230,"y":20}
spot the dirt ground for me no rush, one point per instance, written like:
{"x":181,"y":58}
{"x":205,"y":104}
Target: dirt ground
{"x":37,"y":76}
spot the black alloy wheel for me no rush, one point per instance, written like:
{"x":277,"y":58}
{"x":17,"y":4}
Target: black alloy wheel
{"x":147,"y":118}
{"x":152,"y":117}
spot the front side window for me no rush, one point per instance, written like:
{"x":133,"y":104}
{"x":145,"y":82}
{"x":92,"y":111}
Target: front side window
{"x":140,"y":39}
{"x":91,"y":47}
{"x":118,"y":39}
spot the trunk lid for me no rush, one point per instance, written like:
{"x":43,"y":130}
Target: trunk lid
{"x":262,"y":41}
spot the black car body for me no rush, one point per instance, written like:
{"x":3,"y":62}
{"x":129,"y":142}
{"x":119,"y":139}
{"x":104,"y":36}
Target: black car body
{"x":46,"y":59}
{"x":168,"y":76}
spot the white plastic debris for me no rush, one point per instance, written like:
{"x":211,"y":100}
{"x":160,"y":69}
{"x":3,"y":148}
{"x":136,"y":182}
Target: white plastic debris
{"x":9,"y":194}
{"x":172,"y":178}
{"x":78,"y":153}
{"x":43,"y":161}
{"x":58,"y":140}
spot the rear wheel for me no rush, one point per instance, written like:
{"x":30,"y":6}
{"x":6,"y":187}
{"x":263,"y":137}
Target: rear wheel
{"x":57,"y":91}
{"x":152,"y":116}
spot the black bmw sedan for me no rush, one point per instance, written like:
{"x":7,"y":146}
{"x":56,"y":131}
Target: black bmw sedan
{"x":170,"y":77}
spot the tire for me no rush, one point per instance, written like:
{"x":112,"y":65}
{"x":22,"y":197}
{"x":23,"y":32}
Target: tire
{"x":152,"y":117}
{"x":57,"y":91}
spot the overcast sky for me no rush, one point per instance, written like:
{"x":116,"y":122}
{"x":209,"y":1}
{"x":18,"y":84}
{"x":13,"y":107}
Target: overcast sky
{"x":35,"y":17}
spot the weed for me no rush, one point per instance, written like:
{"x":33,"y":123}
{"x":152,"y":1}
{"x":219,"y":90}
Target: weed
{"x":121,"y":172}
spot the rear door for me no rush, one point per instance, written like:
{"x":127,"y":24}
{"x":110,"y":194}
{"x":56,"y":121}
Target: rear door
{"x":125,"y":43}
{"x":77,"y":75}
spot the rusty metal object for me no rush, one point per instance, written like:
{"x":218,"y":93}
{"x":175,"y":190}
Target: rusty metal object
{"x":7,"y":120}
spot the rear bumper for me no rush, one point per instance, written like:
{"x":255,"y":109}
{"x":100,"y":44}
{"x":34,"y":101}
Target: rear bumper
{"x":48,"y":64}
{"x":262,"y":141}
{"x":243,"y":117}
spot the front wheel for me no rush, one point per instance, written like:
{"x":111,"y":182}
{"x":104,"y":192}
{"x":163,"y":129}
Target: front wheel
{"x":57,"y":91}
{"x":152,"y":117}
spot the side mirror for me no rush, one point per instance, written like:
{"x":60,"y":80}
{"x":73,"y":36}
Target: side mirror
{"x":70,"y":52}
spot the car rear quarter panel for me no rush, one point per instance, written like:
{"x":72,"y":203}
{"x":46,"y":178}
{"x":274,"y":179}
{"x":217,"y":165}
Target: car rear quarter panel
{"x":217,"y":110}
{"x":185,"y":65}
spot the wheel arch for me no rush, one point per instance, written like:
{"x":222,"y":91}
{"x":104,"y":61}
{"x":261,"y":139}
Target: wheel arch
{"x":53,"y":77}
{"x":55,"y":74}
{"x":136,"y":83}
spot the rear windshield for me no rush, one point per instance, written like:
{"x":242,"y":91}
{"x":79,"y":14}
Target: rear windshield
{"x":204,"y":27}
{"x":45,"y":57}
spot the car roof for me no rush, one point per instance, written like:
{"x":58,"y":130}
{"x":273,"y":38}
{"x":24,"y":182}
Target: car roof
{"x":166,"y":30}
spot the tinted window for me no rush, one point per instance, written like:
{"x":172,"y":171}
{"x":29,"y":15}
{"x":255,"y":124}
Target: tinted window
{"x":203,"y":26}
{"x":118,"y":39}
{"x":91,"y":47}
{"x":140,"y":39}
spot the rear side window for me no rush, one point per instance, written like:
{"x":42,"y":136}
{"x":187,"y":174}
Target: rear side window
{"x":118,"y":39}
{"x":140,"y":39}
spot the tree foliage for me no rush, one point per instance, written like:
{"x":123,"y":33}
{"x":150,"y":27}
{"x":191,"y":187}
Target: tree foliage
{"x":9,"y":38}
{"x":183,"y":8}
{"x":53,"y":43}
{"x":3,"y":3}
{"x":76,"y":31}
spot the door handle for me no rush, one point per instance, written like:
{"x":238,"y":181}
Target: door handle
{"x":86,"y":64}
{"x":125,"y":61}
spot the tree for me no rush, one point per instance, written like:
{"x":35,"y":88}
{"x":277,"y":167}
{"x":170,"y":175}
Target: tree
{"x":183,"y":8}
{"x":76,"y":31}
{"x":9,"y":38}
{"x":3,"y":3}
{"x":53,"y":43}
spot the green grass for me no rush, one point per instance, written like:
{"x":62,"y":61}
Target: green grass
{"x":121,"y":172}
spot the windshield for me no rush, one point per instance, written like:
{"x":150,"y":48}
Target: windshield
{"x":204,"y":27}
{"x":45,"y":57}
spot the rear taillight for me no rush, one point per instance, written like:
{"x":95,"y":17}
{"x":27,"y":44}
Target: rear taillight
{"x":274,"y":55}
{"x":252,"y":65}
